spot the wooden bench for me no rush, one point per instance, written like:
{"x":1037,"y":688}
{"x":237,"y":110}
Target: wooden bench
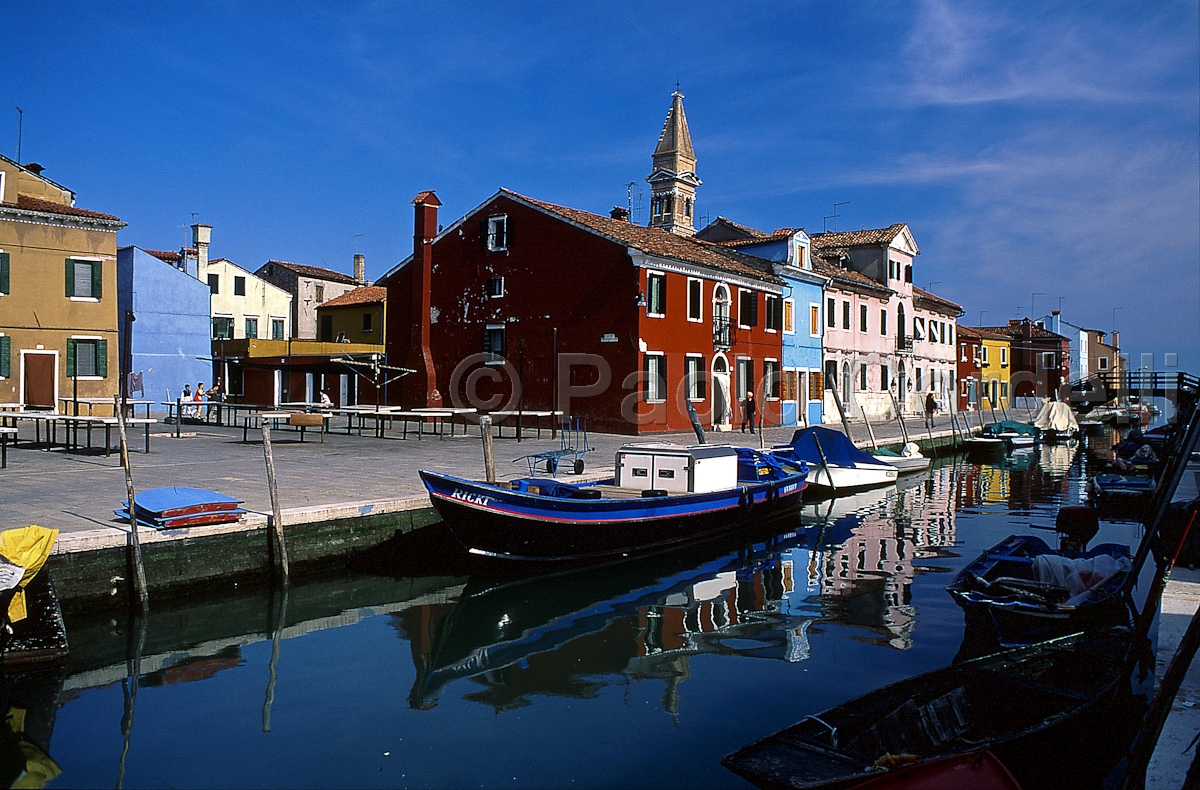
{"x":303,"y":421}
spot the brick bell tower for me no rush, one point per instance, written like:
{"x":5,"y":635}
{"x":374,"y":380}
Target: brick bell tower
{"x":673,"y":179}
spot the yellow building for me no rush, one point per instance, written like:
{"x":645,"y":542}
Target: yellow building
{"x":243,"y":306}
{"x":58,"y":293}
{"x":996,"y":364}
{"x":354,"y":317}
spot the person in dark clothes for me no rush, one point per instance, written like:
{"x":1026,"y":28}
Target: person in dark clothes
{"x":748,"y":412}
{"x":930,"y":408}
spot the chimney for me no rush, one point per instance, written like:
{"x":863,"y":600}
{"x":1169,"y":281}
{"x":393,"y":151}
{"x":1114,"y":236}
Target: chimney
{"x":1056,"y":322}
{"x":421,"y":387}
{"x":619,"y":213}
{"x":360,"y":268}
{"x":200,"y":237}
{"x":34,"y":167}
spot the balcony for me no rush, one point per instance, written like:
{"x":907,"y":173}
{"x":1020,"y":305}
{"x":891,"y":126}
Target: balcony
{"x":904,"y":344}
{"x":724,"y":333}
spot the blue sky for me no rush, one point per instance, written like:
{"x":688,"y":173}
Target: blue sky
{"x":1031,"y":146}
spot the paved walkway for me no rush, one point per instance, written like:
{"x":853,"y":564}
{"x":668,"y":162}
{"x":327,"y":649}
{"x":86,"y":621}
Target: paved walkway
{"x":77,"y":492}
{"x":1175,"y":749}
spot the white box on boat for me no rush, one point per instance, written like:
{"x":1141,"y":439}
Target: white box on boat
{"x":677,"y":469}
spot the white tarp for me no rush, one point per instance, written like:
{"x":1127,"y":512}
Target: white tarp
{"x":1056,"y":416}
{"x":1079,"y":577}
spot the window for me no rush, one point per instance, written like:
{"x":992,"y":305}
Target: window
{"x":1004,"y":389}
{"x":942,"y":330}
{"x":496,"y":233}
{"x":816,"y":383}
{"x":920,"y":386}
{"x":789,"y":316}
{"x":493,"y":344}
{"x":495,"y":287}
{"x":862,"y":378}
{"x":1049,"y":361}
{"x":367,"y":319}
{"x":893,"y":270}
{"x":222,"y":328}
{"x":745,"y":376}
{"x":830,"y":375}
{"x":1003,"y":355}
{"x":694,"y":376}
{"x":747,"y":309}
{"x":214,"y":284}
{"x":84,"y":279}
{"x":277,"y":329}
{"x":771,"y":379}
{"x":774,"y":316}
{"x":791,"y":385}
{"x":325,"y":333}
{"x":656,"y":294}
{"x":862,"y":318}
{"x":320,"y":290}
{"x":654,"y":383}
{"x":695,"y":311}
{"x":3,"y":268}
{"x":984,"y":356}
{"x":5,"y":356}
{"x":908,"y":273}
{"x":1102,"y":363}
{"x":87,"y":358}
{"x":845,"y":315}
{"x":239,"y":286}
{"x":252,"y":328}
{"x":884,"y":378}
{"x":814,"y":320}
{"x":918,"y":328}
{"x":883,"y":321}
{"x":831,"y":315}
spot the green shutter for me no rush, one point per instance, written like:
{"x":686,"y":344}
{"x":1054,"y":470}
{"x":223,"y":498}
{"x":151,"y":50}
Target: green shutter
{"x":70,"y":277}
{"x":102,"y":357}
{"x":4,"y":273}
{"x":70,"y":354}
{"x":97,"y":279}
{"x":5,"y":365}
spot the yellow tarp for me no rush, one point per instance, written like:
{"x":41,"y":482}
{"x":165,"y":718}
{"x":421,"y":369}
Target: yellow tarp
{"x":28,"y":547}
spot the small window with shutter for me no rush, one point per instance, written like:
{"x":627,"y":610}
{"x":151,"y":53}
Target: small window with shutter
{"x":4,"y":273}
{"x":497,"y":233}
{"x":5,"y":356}
{"x":84,"y":279}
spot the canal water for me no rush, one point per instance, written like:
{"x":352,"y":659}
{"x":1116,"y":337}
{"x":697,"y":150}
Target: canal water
{"x":640,"y":674}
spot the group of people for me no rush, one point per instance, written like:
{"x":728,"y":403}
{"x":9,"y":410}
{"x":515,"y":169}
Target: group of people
{"x":200,"y":395}
{"x":749,"y":410}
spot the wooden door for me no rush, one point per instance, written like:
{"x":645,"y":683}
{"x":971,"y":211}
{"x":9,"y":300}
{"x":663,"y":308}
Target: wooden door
{"x":38,"y":375}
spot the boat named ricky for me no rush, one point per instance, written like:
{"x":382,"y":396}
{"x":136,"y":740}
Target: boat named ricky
{"x":660,"y":495}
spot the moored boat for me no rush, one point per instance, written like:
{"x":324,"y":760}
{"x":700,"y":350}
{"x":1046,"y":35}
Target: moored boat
{"x":835,"y":464}
{"x":1056,"y":422}
{"x":908,"y":460}
{"x":661,"y":495}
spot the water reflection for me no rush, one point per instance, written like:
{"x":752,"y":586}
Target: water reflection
{"x":833,"y":593}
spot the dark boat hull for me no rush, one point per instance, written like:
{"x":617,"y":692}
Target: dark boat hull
{"x":509,"y":525}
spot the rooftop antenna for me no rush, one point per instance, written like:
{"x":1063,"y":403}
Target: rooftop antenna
{"x":1033,"y":297}
{"x":1060,"y":304}
{"x":20,"y":130}
{"x":833,"y":216}
{"x":356,"y":236}
{"x":981,"y":312}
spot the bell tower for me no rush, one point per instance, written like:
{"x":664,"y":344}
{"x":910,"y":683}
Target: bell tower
{"x":673,"y":179}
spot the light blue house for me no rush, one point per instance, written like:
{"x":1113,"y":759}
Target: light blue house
{"x":802,"y":325}
{"x":167,"y":343}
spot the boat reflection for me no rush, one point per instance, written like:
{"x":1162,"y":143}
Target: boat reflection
{"x":29,"y":700}
{"x":848,"y":560}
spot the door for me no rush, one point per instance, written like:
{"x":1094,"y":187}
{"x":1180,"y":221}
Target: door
{"x":37,"y":379}
{"x":721,"y":414}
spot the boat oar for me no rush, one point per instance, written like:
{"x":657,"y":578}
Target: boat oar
{"x":824,"y":463}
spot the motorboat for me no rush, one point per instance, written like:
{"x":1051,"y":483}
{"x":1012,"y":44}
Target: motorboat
{"x":835,"y":465}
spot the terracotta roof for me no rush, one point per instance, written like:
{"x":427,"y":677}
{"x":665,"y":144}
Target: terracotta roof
{"x":743,"y":228}
{"x":945,"y":304}
{"x":316,"y":272}
{"x":1014,"y":330}
{"x":427,"y":197}
{"x":657,"y":241}
{"x":980,"y":333}
{"x":675,"y":137}
{"x":848,"y":277}
{"x":856,"y":238}
{"x":164,"y":255}
{"x":763,"y":238}
{"x":37,"y":204}
{"x":368,"y":294}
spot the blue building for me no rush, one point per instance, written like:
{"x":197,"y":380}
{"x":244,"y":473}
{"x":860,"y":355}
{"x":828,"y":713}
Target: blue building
{"x":788,"y":249}
{"x":168,"y":341}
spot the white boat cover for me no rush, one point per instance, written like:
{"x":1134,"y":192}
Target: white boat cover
{"x":1080,"y":576}
{"x":1056,"y":416}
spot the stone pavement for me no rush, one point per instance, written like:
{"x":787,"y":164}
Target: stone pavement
{"x":1175,"y":748}
{"x":77,"y":492}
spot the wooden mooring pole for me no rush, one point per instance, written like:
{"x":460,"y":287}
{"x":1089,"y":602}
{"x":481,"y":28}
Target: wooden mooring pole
{"x":899,"y":416}
{"x":842,"y":413}
{"x":870,"y":430}
{"x":489,"y":455}
{"x":135,"y":544}
{"x":276,"y":513}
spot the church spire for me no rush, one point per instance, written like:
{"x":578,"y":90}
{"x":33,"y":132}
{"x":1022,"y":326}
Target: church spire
{"x":673,"y":180}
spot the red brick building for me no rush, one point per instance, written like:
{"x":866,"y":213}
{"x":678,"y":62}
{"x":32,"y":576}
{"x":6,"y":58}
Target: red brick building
{"x":1041,"y":359}
{"x":642,"y":319}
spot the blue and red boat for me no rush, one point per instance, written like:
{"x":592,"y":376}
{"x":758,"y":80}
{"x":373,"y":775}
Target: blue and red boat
{"x":661,"y":495}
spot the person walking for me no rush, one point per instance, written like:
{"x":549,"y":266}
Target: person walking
{"x":748,"y":411}
{"x":930,"y":409}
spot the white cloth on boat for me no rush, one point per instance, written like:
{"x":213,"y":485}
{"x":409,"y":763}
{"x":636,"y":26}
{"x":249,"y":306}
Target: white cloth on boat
{"x":1078,"y":576}
{"x":1056,"y":416}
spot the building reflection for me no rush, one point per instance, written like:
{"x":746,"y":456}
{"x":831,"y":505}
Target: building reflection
{"x":848,"y":560}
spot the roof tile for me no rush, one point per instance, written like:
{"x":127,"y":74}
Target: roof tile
{"x":367,"y":294}
{"x":30,"y":203}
